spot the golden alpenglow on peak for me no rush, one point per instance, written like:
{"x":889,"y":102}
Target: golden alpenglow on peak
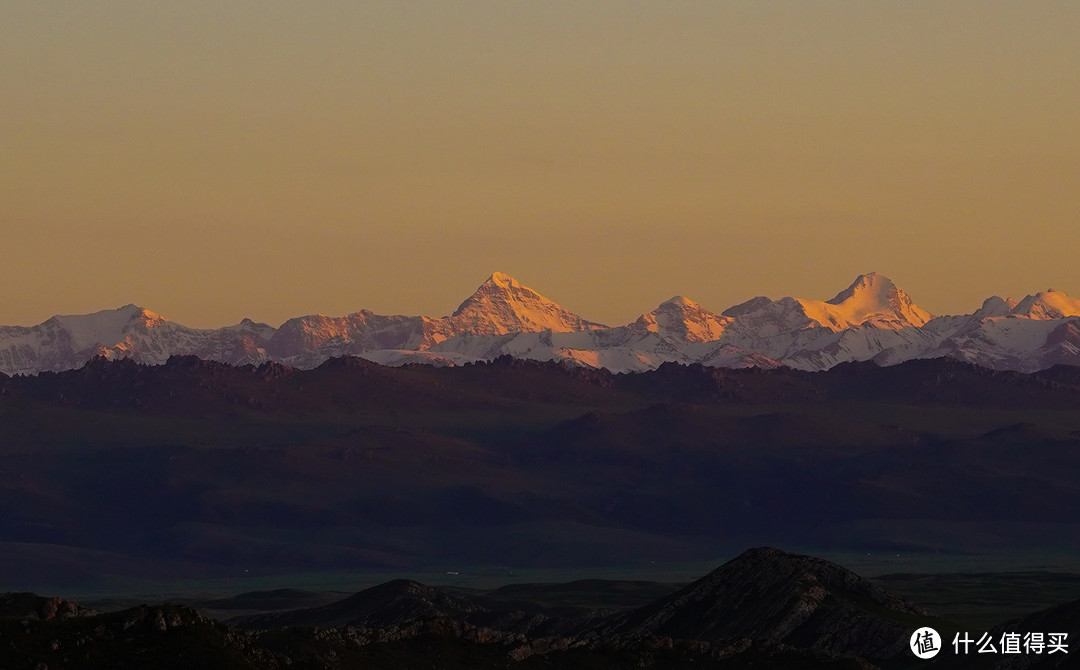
{"x":872,"y":298}
{"x":504,"y":305}
{"x":504,"y":280}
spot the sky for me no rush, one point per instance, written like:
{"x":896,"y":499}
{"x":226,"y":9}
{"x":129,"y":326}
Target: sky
{"x":216,"y":160}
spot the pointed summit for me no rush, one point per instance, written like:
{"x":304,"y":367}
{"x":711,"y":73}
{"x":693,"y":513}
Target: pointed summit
{"x":504,"y":305}
{"x":502,"y":280}
{"x":872,"y":286}
{"x":872,"y":298}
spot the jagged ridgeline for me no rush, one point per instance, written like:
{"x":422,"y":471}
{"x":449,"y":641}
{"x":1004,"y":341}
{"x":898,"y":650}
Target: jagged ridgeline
{"x":872,"y":319}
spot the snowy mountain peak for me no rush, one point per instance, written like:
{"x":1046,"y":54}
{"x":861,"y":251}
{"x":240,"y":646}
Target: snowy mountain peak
{"x":1049,"y":304}
{"x":504,"y":305}
{"x":502,"y":280}
{"x":995,"y":306}
{"x":105,"y":327}
{"x":868,"y":287}
{"x":872,"y":298}
{"x":681,"y":301}
{"x":870,"y":320}
{"x":683,"y":319}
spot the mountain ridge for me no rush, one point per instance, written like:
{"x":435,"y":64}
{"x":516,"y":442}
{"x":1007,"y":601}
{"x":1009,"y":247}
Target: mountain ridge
{"x":872,"y":319}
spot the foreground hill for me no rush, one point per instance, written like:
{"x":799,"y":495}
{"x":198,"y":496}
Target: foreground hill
{"x":765,"y":608}
{"x":872,"y":319}
{"x":763,"y":595}
{"x":769,"y":594}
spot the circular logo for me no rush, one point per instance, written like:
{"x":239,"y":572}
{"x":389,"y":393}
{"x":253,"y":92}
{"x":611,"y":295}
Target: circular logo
{"x":925,"y":643}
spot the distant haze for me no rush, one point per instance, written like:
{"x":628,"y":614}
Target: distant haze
{"x":212,"y":161}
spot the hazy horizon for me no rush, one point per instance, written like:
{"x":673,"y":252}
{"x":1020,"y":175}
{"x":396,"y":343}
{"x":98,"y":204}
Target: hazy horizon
{"x":269,"y":160}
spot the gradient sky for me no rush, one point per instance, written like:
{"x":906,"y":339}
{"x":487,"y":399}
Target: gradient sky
{"x":216,"y":160}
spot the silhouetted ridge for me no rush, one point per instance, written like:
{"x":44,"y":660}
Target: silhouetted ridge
{"x":190,"y":384}
{"x":348,"y":363}
{"x":396,"y":602}
{"x":33,"y":606}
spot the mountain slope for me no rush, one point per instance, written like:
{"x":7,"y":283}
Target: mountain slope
{"x":799,"y":600}
{"x":503,"y":305}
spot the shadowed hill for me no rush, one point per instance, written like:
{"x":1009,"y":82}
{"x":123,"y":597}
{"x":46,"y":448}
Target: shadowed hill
{"x":769,"y":594}
{"x":764,"y":595}
{"x":1063,"y":618}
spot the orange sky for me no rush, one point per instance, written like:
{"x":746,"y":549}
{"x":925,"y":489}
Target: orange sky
{"x":212,"y":161}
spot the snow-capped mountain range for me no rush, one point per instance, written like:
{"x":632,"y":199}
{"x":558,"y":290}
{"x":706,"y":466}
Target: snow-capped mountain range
{"x":872,"y":319}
